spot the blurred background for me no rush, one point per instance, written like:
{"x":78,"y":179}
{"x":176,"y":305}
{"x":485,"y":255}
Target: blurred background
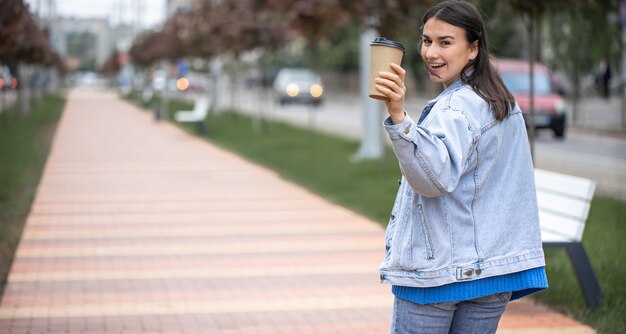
{"x":305,"y":62}
{"x":233,"y":51}
{"x":131,"y":43}
{"x":182,"y":48}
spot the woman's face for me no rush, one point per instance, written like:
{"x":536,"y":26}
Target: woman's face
{"x":445,"y":51}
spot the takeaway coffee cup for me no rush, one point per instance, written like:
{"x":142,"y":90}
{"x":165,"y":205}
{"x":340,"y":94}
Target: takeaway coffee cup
{"x":383,"y":53}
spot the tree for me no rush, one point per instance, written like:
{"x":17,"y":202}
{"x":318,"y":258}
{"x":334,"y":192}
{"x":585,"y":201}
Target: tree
{"x":163,"y":44}
{"x":580,"y":33}
{"x":230,"y":28}
{"x":580,"y":37}
{"x":111,"y":65}
{"x":12,"y":13}
{"x":533,"y":11}
{"x":20,"y":37}
{"x":22,"y":42}
{"x":503,"y":27}
{"x":312,"y":19}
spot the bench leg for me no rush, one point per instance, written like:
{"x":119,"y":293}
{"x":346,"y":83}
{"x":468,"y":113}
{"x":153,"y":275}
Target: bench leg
{"x":201,"y":127}
{"x":584,"y":273}
{"x":157,"y":113}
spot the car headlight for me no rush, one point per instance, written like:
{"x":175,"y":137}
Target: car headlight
{"x":559,"y":107}
{"x":292,"y":90}
{"x":182,"y":84}
{"x":316,"y":90}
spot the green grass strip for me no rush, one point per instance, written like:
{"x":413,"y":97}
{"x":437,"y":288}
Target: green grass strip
{"x":24,"y":145}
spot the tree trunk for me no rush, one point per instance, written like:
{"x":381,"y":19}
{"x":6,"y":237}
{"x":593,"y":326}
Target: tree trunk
{"x":258,"y":88}
{"x":23,"y":91}
{"x":623,"y":76}
{"x":576,"y":97}
{"x":233,"y":87}
{"x":216,"y":72}
{"x":163,"y":112}
{"x":531,"y":74}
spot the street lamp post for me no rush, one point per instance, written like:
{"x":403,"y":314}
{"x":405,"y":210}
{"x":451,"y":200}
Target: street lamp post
{"x":371,"y":138}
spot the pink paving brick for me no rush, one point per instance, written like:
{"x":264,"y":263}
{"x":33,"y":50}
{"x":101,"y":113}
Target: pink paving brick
{"x":140,"y":227}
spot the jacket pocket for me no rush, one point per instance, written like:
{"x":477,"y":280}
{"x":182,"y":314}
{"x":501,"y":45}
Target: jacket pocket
{"x":389,"y":238}
{"x":410,"y":242}
{"x":393,"y":221}
{"x":391,"y":226}
{"x":419,"y":243}
{"x":427,"y":241}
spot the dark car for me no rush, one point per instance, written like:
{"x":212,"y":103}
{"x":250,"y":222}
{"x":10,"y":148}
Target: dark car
{"x":550,"y":107}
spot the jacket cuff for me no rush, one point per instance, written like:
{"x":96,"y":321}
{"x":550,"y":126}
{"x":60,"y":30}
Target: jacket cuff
{"x":405,"y":130}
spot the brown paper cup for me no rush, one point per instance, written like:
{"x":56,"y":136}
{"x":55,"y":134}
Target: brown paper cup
{"x":383,"y":53}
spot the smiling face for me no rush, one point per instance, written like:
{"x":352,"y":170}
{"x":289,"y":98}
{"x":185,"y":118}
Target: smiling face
{"x":445,"y":51}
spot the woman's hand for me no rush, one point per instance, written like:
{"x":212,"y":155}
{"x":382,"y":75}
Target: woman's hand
{"x":392,"y":86}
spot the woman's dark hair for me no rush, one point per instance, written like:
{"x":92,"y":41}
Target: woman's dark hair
{"x":484,"y":79}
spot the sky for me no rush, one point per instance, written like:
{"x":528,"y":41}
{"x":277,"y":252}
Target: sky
{"x":152,"y":11}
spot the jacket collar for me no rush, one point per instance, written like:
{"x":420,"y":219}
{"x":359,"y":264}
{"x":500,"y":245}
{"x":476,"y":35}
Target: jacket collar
{"x":453,"y":87}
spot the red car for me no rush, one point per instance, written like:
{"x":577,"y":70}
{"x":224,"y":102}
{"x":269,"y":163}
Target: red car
{"x":549,"y":106}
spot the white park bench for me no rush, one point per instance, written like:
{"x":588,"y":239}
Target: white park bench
{"x":564,"y":203}
{"x":197,"y":115}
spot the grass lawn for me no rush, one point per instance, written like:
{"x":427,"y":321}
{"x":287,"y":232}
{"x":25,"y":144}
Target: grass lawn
{"x":323,"y":164}
{"x":24,"y":146}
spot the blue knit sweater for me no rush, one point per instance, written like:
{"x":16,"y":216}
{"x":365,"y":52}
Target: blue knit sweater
{"x":522,"y":283}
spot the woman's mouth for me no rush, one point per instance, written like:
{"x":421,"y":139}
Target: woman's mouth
{"x":436,"y":66}
{"x":431,"y":70}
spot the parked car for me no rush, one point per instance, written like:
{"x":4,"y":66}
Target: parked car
{"x":550,"y":107}
{"x":7,"y":82}
{"x":198,"y":82}
{"x":298,"y":85}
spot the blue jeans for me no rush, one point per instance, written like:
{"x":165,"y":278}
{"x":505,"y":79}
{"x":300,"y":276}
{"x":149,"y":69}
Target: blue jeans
{"x":480,"y":315}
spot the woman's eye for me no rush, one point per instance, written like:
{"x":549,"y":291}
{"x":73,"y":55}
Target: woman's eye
{"x":426,"y":42}
{"x":445,"y":43}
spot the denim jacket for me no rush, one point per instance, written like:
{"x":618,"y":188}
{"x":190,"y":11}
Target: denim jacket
{"x":466,"y":208}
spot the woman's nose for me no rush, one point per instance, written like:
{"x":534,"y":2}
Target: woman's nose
{"x":431,"y":52}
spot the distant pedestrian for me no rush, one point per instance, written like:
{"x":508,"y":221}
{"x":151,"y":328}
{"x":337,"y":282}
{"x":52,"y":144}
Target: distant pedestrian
{"x":603,"y":77}
{"x":463,"y":238}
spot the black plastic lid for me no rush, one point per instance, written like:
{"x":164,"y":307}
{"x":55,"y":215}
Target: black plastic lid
{"x":385,"y":42}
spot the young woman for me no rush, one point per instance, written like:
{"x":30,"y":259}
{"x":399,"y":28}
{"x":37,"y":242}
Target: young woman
{"x":463,"y":238}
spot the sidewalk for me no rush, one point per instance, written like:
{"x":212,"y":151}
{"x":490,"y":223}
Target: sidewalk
{"x":138,"y":227}
{"x":598,"y":116}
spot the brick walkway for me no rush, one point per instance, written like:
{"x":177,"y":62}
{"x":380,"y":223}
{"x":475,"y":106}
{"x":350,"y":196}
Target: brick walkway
{"x":139,"y":227}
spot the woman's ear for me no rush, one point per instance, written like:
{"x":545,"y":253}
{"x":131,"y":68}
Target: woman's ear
{"x":474,"y":49}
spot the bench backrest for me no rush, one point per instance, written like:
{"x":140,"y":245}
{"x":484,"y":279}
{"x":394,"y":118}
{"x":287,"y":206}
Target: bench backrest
{"x":564,"y":202}
{"x":201,"y":106}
